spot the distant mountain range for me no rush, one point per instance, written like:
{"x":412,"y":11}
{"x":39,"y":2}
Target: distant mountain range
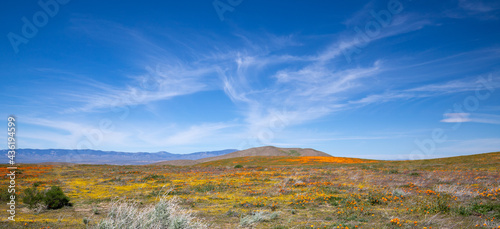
{"x":104,"y":157}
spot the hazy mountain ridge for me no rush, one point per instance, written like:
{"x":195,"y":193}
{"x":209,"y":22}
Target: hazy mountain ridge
{"x":105,"y":157}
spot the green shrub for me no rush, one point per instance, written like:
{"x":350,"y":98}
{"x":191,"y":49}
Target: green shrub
{"x":238,"y":166}
{"x":393,"y":171}
{"x":440,"y":204}
{"x":463,"y":210}
{"x":4,"y":195}
{"x":33,"y":197}
{"x":154,"y":177}
{"x":492,"y":209}
{"x":55,"y":198}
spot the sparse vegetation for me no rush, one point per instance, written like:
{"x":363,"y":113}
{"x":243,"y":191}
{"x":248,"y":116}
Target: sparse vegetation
{"x":293,"y":153}
{"x":459,"y":192}
{"x":393,"y":171}
{"x":258,"y":216}
{"x":164,"y":214}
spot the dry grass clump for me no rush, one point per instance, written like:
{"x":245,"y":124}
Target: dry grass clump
{"x":258,"y":216}
{"x":166,"y":214}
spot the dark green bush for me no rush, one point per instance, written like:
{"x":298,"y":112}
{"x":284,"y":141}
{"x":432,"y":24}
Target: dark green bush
{"x":4,"y":194}
{"x":55,"y":198}
{"x":32,"y":196}
{"x":153,"y":177}
{"x":238,"y":166}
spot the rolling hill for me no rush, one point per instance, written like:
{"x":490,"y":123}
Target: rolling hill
{"x":269,"y":151}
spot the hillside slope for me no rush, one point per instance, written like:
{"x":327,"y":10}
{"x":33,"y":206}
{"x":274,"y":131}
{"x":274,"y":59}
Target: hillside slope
{"x":258,"y":151}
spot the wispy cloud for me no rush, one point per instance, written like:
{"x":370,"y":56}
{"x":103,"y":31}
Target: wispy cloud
{"x":479,"y":6}
{"x":315,"y":88}
{"x":354,"y":40}
{"x":431,"y":90}
{"x":67,"y":134}
{"x":456,"y":117}
{"x":197,"y":134}
{"x":484,"y":10}
{"x":296,"y":95}
{"x":468,"y":117}
{"x":319,"y":85}
{"x":162,"y":84}
{"x":164,"y":76}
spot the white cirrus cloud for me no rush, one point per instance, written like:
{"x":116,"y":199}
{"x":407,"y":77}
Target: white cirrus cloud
{"x":468,"y":117}
{"x":456,"y":117}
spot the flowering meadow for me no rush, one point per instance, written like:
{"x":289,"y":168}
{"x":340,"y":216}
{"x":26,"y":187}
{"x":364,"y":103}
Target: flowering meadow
{"x":278,"y":192}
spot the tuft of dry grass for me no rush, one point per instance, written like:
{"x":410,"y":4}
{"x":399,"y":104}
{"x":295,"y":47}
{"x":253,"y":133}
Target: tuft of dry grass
{"x":166,"y":213}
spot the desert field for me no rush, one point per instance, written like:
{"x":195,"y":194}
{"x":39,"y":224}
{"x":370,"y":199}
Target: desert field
{"x":277,"y":192}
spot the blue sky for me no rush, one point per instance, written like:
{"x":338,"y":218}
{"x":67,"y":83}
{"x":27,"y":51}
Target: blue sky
{"x":389,"y":79}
